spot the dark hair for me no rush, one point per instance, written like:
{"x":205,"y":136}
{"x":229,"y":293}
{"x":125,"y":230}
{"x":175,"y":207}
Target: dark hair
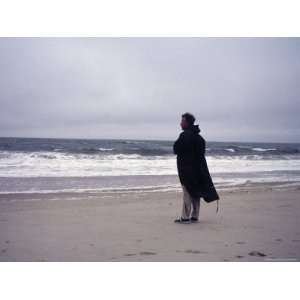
{"x":189,"y":118}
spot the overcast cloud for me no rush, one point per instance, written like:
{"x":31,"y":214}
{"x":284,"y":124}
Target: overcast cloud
{"x":240,"y":89}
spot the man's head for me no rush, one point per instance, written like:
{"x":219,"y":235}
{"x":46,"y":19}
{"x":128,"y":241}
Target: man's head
{"x":187,"y":120}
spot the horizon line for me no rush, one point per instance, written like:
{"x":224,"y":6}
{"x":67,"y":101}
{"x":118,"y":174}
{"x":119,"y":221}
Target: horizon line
{"x":139,"y":139}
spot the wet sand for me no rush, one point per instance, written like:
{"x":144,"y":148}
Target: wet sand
{"x":261,"y":224}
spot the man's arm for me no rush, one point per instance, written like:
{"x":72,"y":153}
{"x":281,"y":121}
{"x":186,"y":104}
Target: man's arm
{"x":181,"y":144}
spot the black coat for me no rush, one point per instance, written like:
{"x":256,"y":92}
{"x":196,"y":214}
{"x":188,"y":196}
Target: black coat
{"x":191,"y":164}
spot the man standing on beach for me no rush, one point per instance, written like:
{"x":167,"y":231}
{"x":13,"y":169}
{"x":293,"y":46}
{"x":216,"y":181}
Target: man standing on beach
{"x":192,"y":168}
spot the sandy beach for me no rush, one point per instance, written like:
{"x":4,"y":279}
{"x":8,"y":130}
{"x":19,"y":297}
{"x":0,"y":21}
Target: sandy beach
{"x":258,"y":224}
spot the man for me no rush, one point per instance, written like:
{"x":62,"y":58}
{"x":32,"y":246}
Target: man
{"x":192,"y":168}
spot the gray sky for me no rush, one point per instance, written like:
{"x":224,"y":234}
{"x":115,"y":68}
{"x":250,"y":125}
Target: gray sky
{"x":239,"y":89}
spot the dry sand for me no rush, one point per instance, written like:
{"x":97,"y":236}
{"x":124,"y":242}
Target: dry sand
{"x":262,"y":224}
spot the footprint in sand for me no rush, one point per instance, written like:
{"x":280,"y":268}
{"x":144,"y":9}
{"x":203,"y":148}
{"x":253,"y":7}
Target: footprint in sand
{"x":148,"y":253}
{"x":195,"y":251}
{"x":284,"y":205}
{"x":256,"y":253}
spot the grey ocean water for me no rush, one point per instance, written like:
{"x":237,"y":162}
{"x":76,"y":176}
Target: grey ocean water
{"x":41,"y":165}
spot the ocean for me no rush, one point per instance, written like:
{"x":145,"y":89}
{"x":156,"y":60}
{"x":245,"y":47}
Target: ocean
{"x":46,"y":165}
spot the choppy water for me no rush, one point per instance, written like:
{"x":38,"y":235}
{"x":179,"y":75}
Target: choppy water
{"x":45,"y":165}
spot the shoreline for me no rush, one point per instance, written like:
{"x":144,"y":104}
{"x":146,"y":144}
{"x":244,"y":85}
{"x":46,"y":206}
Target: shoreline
{"x":96,"y":193}
{"x":258,"y":224}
